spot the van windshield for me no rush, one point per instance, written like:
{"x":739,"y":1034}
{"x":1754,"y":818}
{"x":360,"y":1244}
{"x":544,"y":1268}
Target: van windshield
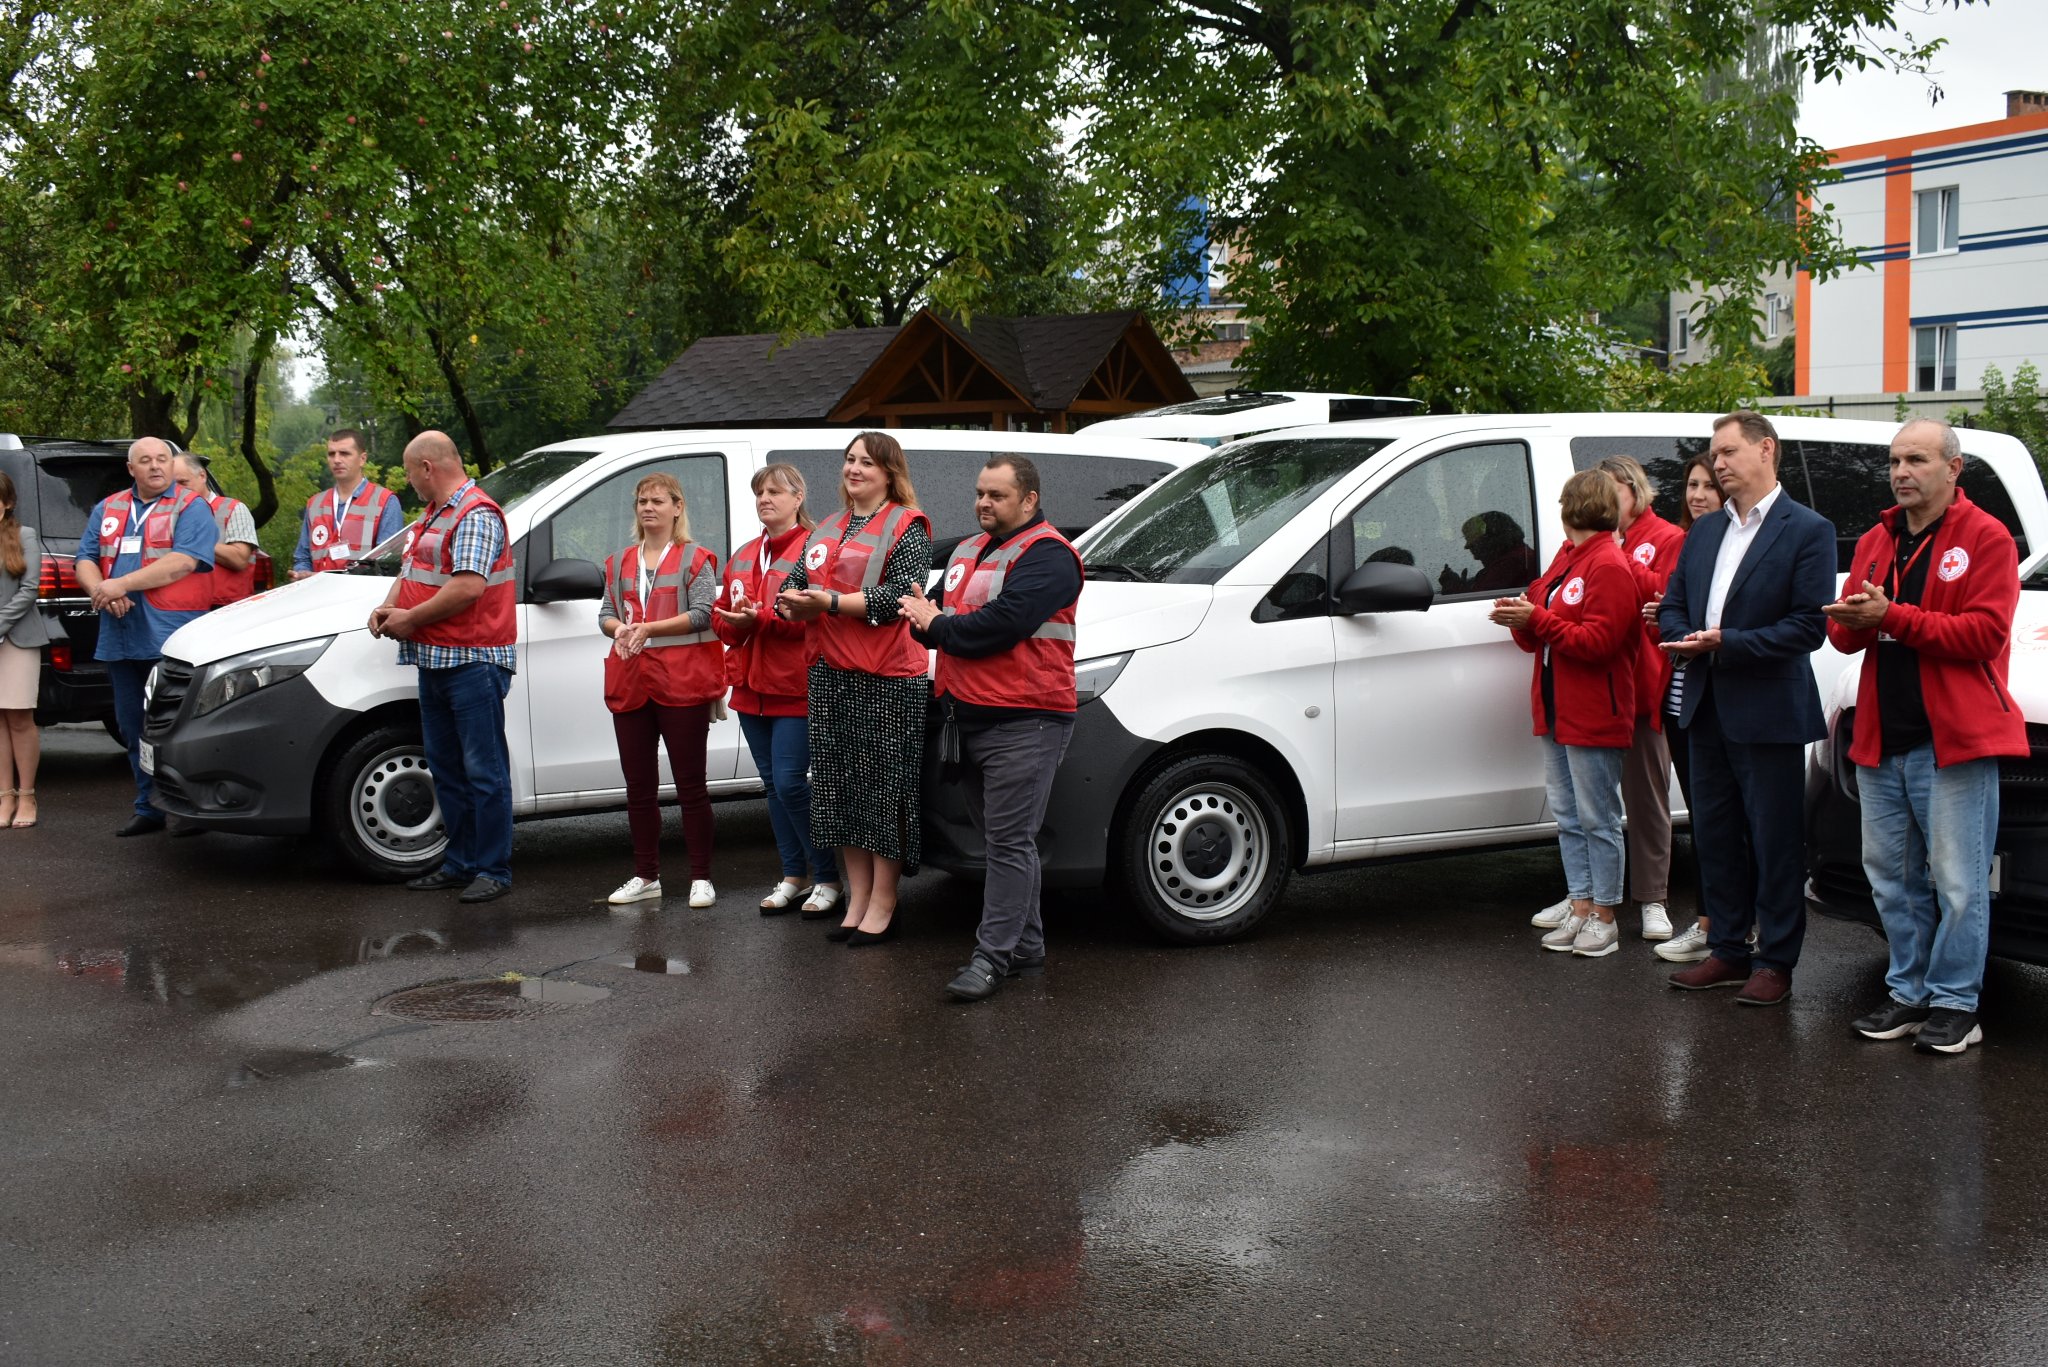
{"x":508,"y":485}
{"x":1196,"y":524}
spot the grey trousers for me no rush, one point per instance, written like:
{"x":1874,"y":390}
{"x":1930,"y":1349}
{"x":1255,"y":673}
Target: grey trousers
{"x":1646,"y":800}
{"x":1006,"y":776}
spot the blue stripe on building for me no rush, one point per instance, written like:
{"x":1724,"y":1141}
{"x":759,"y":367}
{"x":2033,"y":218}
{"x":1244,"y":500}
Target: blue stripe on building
{"x":1982,"y":316}
{"x":1942,"y":158}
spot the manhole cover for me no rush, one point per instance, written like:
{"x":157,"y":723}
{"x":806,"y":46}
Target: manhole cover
{"x":488,"y":999}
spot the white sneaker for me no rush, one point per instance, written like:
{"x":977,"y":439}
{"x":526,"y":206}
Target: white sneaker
{"x":1561,"y":938}
{"x":702,"y":894}
{"x":636,"y":889}
{"x":1597,"y":938}
{"x":1656,"y":921}
{"x":1553,"y":915}
{"x":1688,"y":947}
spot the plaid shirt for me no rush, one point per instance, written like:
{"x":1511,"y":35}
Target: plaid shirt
{"x":479,"y":541}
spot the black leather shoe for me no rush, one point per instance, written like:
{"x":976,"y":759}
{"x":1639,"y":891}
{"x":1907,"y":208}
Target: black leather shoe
{"x":1026,"y":968}
{"x":862,"y":937}
{"x":841,"y":934}
{"x":484,"y":889}
{"x":185,"y":830}
{"x":976,"y":982}
{"x":436,"y":881}
{"x":140,"y":825}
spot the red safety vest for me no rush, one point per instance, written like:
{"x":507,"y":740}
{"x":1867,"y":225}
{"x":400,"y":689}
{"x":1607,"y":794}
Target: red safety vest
{"x":357,"y":530}
{"x":193,"y":593}
{"x":1036,"y":673}
{"x":771,"y":659}
{"x":492,"y":620}
{"x":229,"y":586}
{"x":674,"y":671}
{"x":854,"y":563}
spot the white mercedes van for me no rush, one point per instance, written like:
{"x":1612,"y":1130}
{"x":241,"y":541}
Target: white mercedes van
{"x":279,"y":715}
{"x":1286,"y":662}
{"x":1223,"y":418}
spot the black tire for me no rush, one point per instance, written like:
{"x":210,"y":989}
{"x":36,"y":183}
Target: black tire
{"x":1205,"y":852}
{"x":113,"y":728}
{"x":379,"y":805}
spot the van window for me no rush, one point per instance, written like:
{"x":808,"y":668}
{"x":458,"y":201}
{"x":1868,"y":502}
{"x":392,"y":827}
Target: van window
{"x":1079,"y":490}
{"x":601,"y":521}
{"x":1662,"y":458}
{"x":1201,"y":520}
{"x":1465,"y":518}
{"x":1851,"y":484}
{"x":68,"y":482}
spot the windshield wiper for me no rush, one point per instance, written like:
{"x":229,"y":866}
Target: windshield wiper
{"x":1105,"y":570}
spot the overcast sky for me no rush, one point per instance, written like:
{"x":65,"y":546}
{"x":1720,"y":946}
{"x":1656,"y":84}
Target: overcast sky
{"x":1992,"y":48}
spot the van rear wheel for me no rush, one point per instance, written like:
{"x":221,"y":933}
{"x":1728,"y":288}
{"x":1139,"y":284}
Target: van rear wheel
{"x":1205,"y":852}
{"x":382,"y":812}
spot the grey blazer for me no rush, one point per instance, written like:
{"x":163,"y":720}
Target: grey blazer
{"x":20,"y":621}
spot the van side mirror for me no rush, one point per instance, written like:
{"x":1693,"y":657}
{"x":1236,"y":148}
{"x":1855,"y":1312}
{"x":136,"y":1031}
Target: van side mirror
{"x":565,"y":581}
{"x":1384,"y":587}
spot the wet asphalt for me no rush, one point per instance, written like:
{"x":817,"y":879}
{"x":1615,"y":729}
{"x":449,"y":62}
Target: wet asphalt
{"x":1386,"y":1129}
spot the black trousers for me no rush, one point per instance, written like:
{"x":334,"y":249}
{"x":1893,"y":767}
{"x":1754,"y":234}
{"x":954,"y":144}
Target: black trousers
{"x":1749,"y":833}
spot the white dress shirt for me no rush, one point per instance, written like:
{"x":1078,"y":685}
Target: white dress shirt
{"x":1741,"y":533}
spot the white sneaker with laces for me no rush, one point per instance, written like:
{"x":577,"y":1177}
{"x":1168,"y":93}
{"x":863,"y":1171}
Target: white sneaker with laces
{"x":702,"y":894}
{"x":1687,"y":947}
{"x":1596,"y":938}
{"x":1561,"y":938}
{"x":1553,"y":915}
{"x":636,"y":889}
{"x":1656,"y":921}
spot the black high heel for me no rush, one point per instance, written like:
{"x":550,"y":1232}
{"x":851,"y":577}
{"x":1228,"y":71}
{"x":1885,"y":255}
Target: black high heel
{"x":862,"y":937}
{"x":842,"y":934}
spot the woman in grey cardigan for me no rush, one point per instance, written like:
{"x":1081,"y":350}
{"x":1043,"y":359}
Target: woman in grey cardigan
{"x":22,"y":638}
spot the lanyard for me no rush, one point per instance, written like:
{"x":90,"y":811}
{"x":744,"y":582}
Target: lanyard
{"x":1895,"y":581}
{"x":139,"y":513}
{"x":344,"y":507}
{"x":647,"y":574}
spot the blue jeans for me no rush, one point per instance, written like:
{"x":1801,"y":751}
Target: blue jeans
{"x":1928,"y":837}
{"x":782,"y":755}
{"x":462,"y":726}
{"x":1584,"y":784}
{"x":128,"y":678}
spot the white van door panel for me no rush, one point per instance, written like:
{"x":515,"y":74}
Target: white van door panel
{"x":1432,"y":707}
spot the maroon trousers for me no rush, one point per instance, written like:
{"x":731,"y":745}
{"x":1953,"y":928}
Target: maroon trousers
{"x":682,"y":730}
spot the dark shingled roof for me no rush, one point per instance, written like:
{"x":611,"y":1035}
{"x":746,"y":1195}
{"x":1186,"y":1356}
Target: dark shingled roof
{"x":735,"y":380}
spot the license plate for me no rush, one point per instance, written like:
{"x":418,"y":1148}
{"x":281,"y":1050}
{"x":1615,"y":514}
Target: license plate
{"x":1997,"y":873}
{"x":148,"y":758}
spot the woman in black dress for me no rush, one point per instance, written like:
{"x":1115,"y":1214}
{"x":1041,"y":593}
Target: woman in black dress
{"x":869,"y":689}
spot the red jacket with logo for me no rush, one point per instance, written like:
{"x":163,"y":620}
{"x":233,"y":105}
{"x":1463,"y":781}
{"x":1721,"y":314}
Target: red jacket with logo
{"x":767,"y":661}
{"x":1962,"y":631}
{"x":1593,"y":628}
{"x":1651,"y":546}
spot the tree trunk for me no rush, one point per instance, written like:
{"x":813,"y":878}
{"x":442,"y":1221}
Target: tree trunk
{"x":252,"y":383}
{"x":472,"y":422}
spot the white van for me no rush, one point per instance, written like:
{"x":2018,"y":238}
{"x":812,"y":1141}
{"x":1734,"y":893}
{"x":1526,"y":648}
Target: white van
{"x":279,"y":715}
{"x":1247,"y":412}
{"x":1287,"y":663}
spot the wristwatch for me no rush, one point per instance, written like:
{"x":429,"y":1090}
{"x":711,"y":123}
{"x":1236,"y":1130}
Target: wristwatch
{"x":832,"y":608}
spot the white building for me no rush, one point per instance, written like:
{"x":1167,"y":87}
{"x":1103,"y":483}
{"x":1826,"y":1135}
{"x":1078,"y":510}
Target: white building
{"x":1954,"y":227}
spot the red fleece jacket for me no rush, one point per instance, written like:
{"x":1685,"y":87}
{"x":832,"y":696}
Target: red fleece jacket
{"x":1594,"y":627}
{"x":1962,"y":631}
{"x":1651,"y":546}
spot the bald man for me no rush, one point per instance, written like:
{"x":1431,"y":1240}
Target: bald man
{"x":452,"y":611}
{"x":146,"y":558}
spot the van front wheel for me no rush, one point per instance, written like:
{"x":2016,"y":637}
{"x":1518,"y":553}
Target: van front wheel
{"x":381,"y":807}
{"x":1205,"y":853}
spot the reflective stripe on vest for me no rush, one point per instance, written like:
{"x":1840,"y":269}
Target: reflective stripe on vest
{"x":229,"y":586}
{"x":192,"y":593}
{"x":1035,"y":674}
{"x":870,"y":546}
{"x":333,"y":542}
{"x":429,"y":562}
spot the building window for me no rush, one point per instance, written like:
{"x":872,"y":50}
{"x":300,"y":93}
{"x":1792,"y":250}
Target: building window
{"x":1233,"y":332}
{"x":1935,"y":212}
{"x":1682,"y":336}
{"x":1934,"y":354}
{"x":1774,"y":307}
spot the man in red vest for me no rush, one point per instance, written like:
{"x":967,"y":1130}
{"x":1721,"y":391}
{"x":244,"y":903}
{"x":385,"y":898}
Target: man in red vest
{"x":453,"y":612}
{"x":342,"y":524}
{"x":1002,"y":620}
{"x":234,"y":552}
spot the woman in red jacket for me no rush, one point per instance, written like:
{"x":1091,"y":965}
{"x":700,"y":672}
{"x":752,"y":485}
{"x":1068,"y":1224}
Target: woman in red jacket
{"x":1650,"y":545}
{"x":1582,"y":621}
{"x":765,"y":662}
{"x":664,"y":671}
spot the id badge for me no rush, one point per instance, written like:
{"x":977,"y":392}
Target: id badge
{"x":131,"y":545}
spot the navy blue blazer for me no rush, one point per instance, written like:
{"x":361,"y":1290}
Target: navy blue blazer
{"x":1762,"y":676}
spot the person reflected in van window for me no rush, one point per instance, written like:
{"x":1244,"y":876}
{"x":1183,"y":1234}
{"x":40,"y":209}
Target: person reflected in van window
{"x":1506,"y":559}
{"x":1650,"y":546}
{"x":1392,"y":555}
{"x":765,"y":662}
{"x":1702,"y":498}
{"x":1582,"y":622}
{"x":663,"y":673}
{"x":869,"y":688}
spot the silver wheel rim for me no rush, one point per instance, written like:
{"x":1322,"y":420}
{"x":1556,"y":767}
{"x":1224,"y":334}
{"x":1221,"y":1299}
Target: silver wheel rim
{"x":1208,"y":851}
{"x":394,"y":810}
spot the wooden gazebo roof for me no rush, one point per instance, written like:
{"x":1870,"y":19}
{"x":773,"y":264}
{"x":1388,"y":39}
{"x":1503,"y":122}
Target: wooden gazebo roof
{"x":935,"y":370}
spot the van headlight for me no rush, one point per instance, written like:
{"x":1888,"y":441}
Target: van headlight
{"x":1092,"y":678}
{"x":240,"y":675}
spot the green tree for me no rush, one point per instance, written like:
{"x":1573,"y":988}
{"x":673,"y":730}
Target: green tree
{"x":2015,"y":407}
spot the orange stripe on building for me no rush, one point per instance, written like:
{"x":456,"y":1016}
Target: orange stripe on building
{"x":1802,"y":311}
{"x":1890,"y":148}
{"x":1898,"y":281}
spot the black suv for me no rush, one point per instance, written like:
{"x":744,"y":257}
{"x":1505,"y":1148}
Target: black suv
{"x":58,"y":481}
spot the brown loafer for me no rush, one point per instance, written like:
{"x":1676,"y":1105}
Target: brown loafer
{"x":1766,"y":987}
{"x":1711,"y":973}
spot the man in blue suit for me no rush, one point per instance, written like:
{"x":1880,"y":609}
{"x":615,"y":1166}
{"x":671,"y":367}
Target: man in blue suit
{"x":1744,"y":606}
